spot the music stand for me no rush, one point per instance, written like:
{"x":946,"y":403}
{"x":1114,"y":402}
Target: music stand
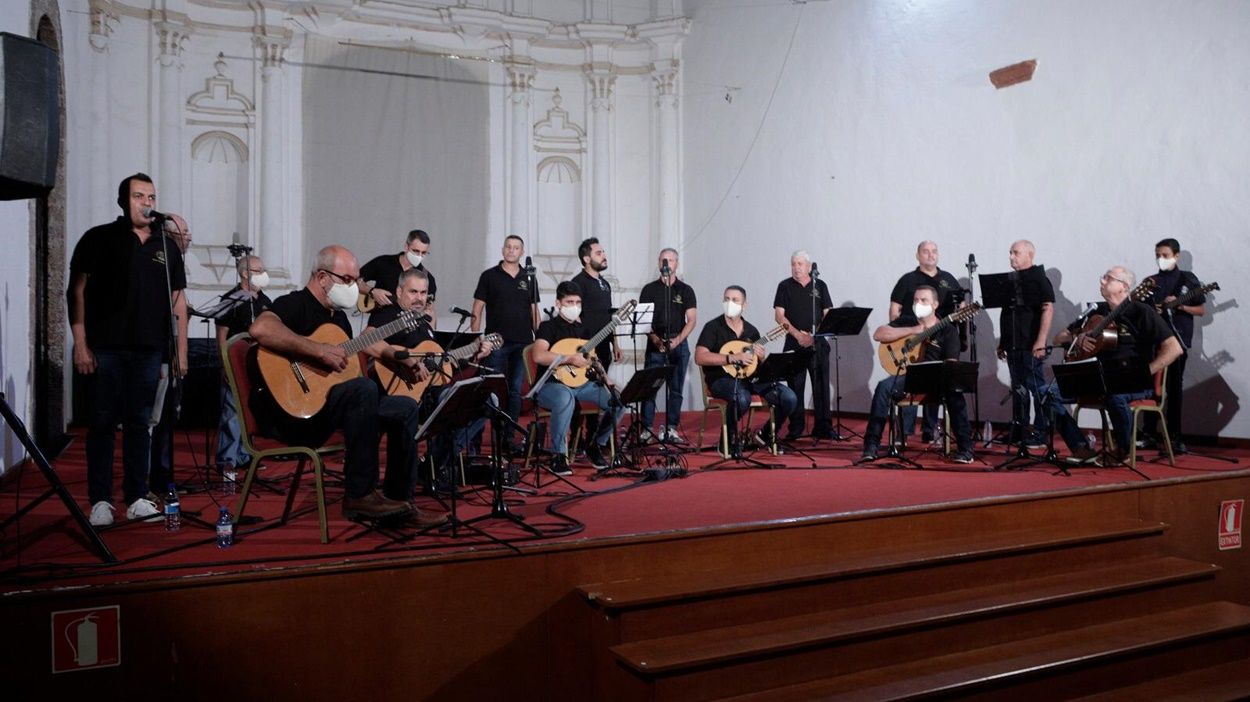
{"x":841,"y":321}
{"x":641,"y":387}
{"x":1091,"y":382}
{"x":940,"y":379}
{"x":778,"y":367}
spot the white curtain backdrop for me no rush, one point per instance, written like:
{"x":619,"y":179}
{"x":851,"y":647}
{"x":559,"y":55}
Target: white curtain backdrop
{"x":394,"y":141}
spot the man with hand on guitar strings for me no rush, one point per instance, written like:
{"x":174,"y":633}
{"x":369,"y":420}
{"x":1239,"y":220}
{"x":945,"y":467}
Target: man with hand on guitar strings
{"x":380,"y":276}
{"x":738,"y":391}
{"x":942,"y":347}
{"x":353,"y":406}
{"x":561,"y":400}
{"x":1171,"y":284}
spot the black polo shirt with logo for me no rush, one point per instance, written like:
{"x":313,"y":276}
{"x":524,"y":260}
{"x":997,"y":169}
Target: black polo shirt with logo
{"x":385,"y":270}
{"x":237,"y":320}
{"x":670,"y":312}
{"x":1020,"y":322}
{"x":905,"y":290}
{"x":716,"y":334}
{"x":508,"y":301}
{"x":556,"y":329}
{"x":796,"y":301}
{"x":596,"y":307}
{"x":1139,"y":331}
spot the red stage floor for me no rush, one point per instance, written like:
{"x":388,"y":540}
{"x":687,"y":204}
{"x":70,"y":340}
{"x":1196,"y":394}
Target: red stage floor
{"x":44,"y":550}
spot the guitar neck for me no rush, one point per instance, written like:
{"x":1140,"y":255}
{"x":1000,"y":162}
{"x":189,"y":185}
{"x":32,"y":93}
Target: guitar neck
{"x":465,"y":351}
{"x":373,"y":336}
{"x":1187,"y":297}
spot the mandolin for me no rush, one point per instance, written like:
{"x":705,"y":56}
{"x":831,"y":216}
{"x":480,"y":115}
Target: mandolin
{"x":1102,"y":328}
{"x":746,"y":370}
{"x":898,"y":354}
{"x":403,"y":380}
{"x":574,"y":377}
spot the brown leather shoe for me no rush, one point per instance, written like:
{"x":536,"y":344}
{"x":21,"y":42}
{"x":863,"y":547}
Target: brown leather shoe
{"x":373,"y":506}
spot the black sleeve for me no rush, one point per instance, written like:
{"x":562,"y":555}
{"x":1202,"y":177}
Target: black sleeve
{"x":85,"y":257}
{"x":691,"y":303}
{"x":779,"y":298}
{"x":826,"y":300}
{"x":1191,"y":282}
{"x":290,"y":311}
{"x":1151,"y":325}
{"x":646,"y":294}
{"x":177,"y":269}
{"x":950,"y":342}
{"x":483,"y":288}
{"x":707,"y":338}
{"x":433,"y":286}
{"x":546,"y":332}
{"x":899,"y":293}
{"x":370,"y":271}
{"x":1047,"y":289}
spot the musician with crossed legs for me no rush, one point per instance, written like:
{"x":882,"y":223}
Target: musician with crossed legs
{"x":1170,"y":284}
{"x":561,"y":400}
{"x":731,"y":326}
{"x":354,"y":406}
{"x":944,"y":346}
{"x":1142,"y":337}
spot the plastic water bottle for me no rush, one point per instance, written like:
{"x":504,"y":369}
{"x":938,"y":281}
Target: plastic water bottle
{"x":173,"y":509}
{"x":229,"y":479}
{"x":225,"y":529}
{"x":1091,"y":440}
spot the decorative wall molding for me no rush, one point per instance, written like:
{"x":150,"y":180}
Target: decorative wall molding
{"x":220,"y":99}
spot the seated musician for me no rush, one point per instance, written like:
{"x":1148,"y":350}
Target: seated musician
{"x":412,"y":295}
{"x":561,"y":400}
{"x":738,"y":391}
{"x":943,"y":346}
{"x":353,"y":406}
{"x":1142,"y":337}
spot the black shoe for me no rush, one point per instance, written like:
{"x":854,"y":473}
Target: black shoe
{"x":560,"y":465}
{"x":926,"y":437}
{"x":1179,"y":448}
{"x":964,"y":456}
{"x":594,"y":454}
{"x":870,"y":454}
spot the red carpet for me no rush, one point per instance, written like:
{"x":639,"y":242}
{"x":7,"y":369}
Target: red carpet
{"x":43,"y":549}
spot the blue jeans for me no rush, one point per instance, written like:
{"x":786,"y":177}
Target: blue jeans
{"x":229,"y":437}
{"x":1026,"y":380}
{"x":891,"y":389}
{"x":562,"y":402}
{"x":778,"y":395}
{"x":123,"y":388}
{"x":1122,"y":417}
{"x":679,"y":358}
{"x":509,"y":360}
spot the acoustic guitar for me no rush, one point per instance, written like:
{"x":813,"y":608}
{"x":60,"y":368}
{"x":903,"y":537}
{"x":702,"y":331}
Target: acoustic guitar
{"x":300,"y":387}
{"x":900,"y":353}
{"x":746,"y":370}
{"x":1102,"y":327}
{"x":1186,"y":298}
{"x":574,"y":377}
{"x":403,"y":380}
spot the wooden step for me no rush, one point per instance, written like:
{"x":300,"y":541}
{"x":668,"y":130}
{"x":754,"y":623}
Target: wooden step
{"x":968,"y":672}
{"x":672,"y":654}
{"x":1216,"y":683}
{"x":621,"y":596}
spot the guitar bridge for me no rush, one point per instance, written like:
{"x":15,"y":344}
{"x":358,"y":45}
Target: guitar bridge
{"x":299,"y":377}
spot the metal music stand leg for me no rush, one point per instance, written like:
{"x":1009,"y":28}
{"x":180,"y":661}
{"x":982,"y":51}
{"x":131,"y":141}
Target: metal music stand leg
{"x":895,"y":435}
{"x":735,"y":450}
{"x":838,"y":429}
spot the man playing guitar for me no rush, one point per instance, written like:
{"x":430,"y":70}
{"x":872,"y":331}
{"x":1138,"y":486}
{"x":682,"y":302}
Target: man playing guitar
{"x":737,"y":391}
{"x":562,"y":400}
{"x":354,"y":405}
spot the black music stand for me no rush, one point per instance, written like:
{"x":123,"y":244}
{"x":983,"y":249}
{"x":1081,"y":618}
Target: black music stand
{"x":735,"y":450}
{"x":1091,"y":382}
{"x":642,"y":386}
{"x":941,"y":378}
{"x":780,"y":367}
{"x":998,"y":290}
{"x":841,"y":321}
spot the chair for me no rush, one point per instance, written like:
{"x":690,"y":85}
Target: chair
{"x":920,"y":401}
{"x":528,"y":406}
{"x":710,"y":402}
{"x":1155,"y":404}
{"x":234,"y":360}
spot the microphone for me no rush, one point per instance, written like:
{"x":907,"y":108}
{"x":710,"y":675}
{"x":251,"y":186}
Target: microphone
{"x":665,"y":271}
{"x":972,"y":263}
{"x":460,"y":311}
{"x":815,"y":270}
{"x":153,"y":214}
{"x":529,"y":266}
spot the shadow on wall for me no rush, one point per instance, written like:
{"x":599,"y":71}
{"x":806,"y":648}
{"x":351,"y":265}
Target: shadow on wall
{"x":1210,"y":402}
{"x":857,"y":356}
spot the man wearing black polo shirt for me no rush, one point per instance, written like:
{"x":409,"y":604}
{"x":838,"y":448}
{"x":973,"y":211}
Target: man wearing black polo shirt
{"x":676,"y":312}
{"x":1143,"y":338}
{"x":353,"y":406}
{"x":509,"y":297}
{"x":596,"y":298}
{"x":380,"y":276}
{"x":253,"y":278}
{"x":943,"y":346}
{"x":561,"y":400}
{"x":1170,"y":284}
{"x":1025,"y":327}
{"x":793,"y":305}
{"x":737,"y":392}
{"x":119,"y":307}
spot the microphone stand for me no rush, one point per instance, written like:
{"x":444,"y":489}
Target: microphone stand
{"x":972,"y":339}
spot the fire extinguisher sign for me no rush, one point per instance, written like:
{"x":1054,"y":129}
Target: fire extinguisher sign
{"x":83,"y":639}
{"x":1230,"y":523}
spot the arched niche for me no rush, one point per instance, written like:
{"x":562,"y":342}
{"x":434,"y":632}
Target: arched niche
{"x":219,"y":187}
{"x":559,"y":206}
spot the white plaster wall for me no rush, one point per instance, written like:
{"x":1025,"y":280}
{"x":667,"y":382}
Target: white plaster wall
{"x":882,"y":129}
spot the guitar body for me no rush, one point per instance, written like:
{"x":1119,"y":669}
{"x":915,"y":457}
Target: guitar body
{"x":738,"y":346}
{"x":568,"y":375}
{"x":298,"y":387}
{"x":403,"y":381}
{"x":365,"y":303}
{"x":895,"y":358}
{"x":1107,"y":340}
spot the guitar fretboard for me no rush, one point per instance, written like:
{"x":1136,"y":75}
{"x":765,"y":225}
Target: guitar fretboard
{"x":619,"y":317}
{"x":405,"y":321}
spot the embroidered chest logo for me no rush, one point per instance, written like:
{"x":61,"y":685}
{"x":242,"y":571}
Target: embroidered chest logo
{"x":159,"y":257}
{"x":944,"y":283}
{"x":677,"y":299}
{"x":523,"y":284}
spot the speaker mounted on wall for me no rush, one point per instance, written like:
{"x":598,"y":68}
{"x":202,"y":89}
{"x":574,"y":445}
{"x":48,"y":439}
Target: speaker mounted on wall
{"x":30,"y":117}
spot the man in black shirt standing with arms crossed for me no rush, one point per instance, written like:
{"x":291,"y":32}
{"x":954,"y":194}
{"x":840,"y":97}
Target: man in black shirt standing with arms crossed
{"x":793,"y":306}
{"x":676,"y":312}
{"x":1171,"y":283}
{"x":119,"y":306}
{"x":384,"y":272}
{"x":509,"y":297}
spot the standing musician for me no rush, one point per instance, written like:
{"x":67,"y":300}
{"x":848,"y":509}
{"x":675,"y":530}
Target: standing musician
{"x":380,"y":276}
{"x":1025,"y":328}
{"x":1170,"y":284}
{"x":253,"y":279}
{"x":947,"y":287}
{"x":119,"y":302}
{"x":738,"y":391}
{"x":354,"y":406}
{"x":597,"y":297}
{"x":1142,"y":337}
{"x":561,"y":400}
{"x":793,"y":306}
{"x":944,"y":346}
{"x":509,"y":297}
{"x":676,"y":312}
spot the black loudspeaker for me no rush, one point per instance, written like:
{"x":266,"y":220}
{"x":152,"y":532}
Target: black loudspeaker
{"x":30,"y":110}
{"x":201,"y":389}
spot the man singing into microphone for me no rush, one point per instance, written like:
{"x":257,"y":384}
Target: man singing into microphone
{"x":676,"y":312}
{"x":119,"y":311}
{"x":798,"y":298}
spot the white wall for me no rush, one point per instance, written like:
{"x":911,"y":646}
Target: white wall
{"x":858,"y":128}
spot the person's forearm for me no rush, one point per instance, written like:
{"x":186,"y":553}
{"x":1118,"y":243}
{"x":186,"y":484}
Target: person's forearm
{"x":271,"y":333}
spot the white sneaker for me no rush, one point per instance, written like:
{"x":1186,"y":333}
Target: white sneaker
{"x":670,"y":434}
{"x":647,"y":437}
{"x":144,"y":509}
{"x":101,"y":514}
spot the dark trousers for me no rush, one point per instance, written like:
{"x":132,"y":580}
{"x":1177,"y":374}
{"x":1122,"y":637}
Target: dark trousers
{"x":818,"y":369}
{"x":890,"y":391}
{"x":1026,"y":380}
{"x":123,"y":388}
{"x":738,"y":395}
{"x":679,"y":358}
{"x":509,"y":360}
{"x":1175,"y":406}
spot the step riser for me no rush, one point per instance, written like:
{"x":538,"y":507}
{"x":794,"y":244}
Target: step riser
{"x":761,"y":605}
{"x":851,"y":656}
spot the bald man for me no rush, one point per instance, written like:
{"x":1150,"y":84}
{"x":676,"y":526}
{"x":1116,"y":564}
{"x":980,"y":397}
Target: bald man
{"x":1025,"y":326}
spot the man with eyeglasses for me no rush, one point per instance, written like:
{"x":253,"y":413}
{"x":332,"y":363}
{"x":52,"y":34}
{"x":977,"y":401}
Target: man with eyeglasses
{"x":355,"y":406}
{"x":253,"y":279}
{"x":380,"y":276}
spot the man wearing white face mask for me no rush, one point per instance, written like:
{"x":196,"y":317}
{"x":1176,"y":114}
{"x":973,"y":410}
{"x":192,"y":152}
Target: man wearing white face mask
{"x":943,"y":346}
{"x":384,"y":272}
{"x":737,"y":392}
{"x":253,"y":278}
{"x":561,"y":400}
{"x":1170,"y":284}
{"x":353,"y":406}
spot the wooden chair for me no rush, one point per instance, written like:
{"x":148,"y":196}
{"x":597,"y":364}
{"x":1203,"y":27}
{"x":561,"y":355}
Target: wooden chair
{"x":1150,"y":404}
{"x":919,"y":401}
{"x":531,"y":407}
{"x":234,"y":360}
{"x":710,"y":402}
